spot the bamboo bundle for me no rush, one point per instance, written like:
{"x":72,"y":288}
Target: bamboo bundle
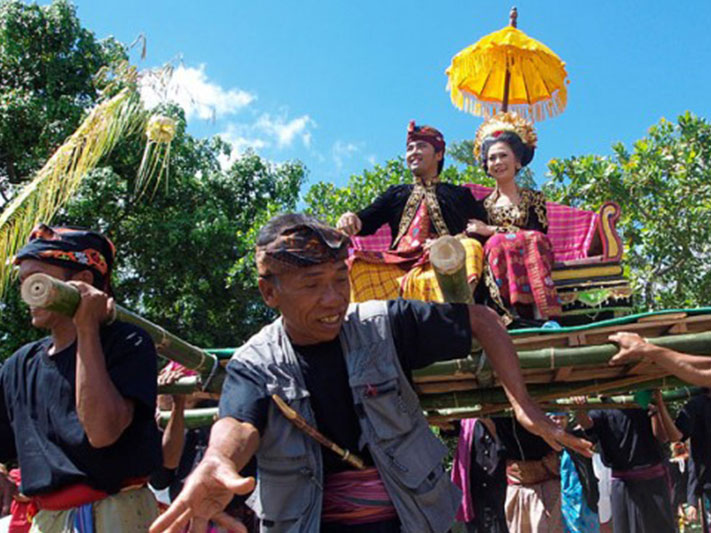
{"x":40,"y":290}
{"x":556,"y":358}
{"x":496,"y":397}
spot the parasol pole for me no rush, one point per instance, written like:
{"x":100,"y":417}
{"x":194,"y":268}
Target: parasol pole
{"x":513,"y":17}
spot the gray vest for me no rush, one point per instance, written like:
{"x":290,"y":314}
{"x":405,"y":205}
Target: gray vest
{"x":288,"y":496}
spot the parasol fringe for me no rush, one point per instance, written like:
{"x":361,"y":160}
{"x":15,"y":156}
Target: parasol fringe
{"x":536,"y":112}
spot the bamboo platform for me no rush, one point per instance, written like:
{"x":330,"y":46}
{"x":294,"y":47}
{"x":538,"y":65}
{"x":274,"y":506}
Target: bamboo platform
{"x":559,"y":364}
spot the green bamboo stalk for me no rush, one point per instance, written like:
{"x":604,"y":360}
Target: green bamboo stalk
{"x":41,"y":290}
{"x":553,"y":358}
{"x":194,"y":418}
{"x":448,"y":259}
{"x":474,"y":397}
{"x":185,"y":385}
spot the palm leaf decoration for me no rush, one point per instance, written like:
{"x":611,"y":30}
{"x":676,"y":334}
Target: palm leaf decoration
{"x":56,"y":182}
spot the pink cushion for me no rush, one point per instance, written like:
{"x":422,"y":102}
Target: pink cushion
{"x":571,"y":230}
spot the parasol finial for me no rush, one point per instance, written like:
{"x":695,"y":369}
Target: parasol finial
{"x":513,"y":17}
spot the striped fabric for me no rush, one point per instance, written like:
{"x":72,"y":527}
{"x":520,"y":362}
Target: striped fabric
{"x":384,"y":281}
{"x":571,"y":230}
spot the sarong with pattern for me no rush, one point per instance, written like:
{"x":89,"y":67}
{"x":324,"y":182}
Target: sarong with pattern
{"x":125,"y":512}
{"x":356,"y":497}
{"x":520,"y":266}
{"x":406,"y":272}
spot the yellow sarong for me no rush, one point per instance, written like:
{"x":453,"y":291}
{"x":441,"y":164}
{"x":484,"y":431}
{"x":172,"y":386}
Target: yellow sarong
{"x":384,"y":281}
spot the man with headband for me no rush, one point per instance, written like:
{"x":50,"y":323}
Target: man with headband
{"x":77,"y":407}
{"x":417,"y":213}
{"x":346,"y":370}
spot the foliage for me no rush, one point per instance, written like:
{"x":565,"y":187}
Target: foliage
{"x":663,"y":186}
{"x":185,"y":250}
{"x":48,"y":63}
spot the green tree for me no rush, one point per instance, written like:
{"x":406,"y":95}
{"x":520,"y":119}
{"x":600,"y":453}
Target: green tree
{"x":48,"y":64}
{"x":663,"y":185}
{"x":185,"y":250}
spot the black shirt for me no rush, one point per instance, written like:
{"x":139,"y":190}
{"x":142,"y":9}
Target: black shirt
{"x":487,"y":477}
{"x":457,"y":204}
{"x":626,"y":438}
{"x":694,"y":422}
{"x":520,"y":444}
{"x":423,"y":333}
{"x":37,"y":411}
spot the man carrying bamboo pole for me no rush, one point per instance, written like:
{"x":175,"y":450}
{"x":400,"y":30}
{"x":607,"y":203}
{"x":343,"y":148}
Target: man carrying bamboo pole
{"x":77,"y":407}
{"x":629,"y":444}
{"x":339,"y":375}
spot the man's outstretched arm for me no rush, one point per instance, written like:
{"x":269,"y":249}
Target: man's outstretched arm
{"x":215,"y":481}
{"x":496,"y":342}
{"x":693,"y":369}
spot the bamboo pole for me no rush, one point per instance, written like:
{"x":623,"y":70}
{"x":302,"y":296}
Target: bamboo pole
{"x":448,"y":259}
{"x":553,"y":358}
{"x":551,"y":391}
{"x":194,"y":418}
{"x":41,"y":290}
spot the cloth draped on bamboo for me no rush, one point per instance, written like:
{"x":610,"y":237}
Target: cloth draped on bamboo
{"x":577,"y":515}
{"x":406,"y":271}
{"x":520,"y":256}
{"x":533,"y":495}
{"x":356,"y":497}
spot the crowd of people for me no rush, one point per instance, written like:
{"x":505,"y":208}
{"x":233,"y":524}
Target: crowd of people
{"x":77,"y":408}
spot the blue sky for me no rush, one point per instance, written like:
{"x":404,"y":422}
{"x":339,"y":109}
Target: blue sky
{"x":335,"y":83}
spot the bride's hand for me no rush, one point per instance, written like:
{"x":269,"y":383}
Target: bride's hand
{"x":477,"y":227}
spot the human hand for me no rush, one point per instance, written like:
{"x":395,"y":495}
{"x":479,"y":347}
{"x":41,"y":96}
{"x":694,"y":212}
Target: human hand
{"x":535,"y":421}
{"x":349,"y":223}
{"x":631,"y":345}
{"x":206,"y":493}
{"x":692,"y":514}
{"x":477,"y":227}
{"x":95,"y":306}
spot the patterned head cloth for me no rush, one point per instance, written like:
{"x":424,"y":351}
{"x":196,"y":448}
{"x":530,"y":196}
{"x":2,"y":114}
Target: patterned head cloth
{"x":289,"y":242}
{"x":73,"y":248}
{"x":425,"y":133}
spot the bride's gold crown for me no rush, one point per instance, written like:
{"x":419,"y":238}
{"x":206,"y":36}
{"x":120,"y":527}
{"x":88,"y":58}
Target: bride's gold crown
{"x":501,"y":122}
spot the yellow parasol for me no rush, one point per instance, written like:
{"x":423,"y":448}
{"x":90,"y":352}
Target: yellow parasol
{"x":508,"y":69}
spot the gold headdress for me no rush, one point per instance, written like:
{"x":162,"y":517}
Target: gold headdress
{"x":501,"y":122}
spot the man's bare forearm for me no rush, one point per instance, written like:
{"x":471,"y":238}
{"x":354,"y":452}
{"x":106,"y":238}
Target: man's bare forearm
{"x":693,"y":369}
{"x":174,"y":437}
{"x":500,"y":351}
{"x":102,"y":411}
{"x":235,"y":440}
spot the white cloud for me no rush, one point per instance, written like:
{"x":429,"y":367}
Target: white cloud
{"x":372,"y":160}
{"x":265,"y":132}
{"x":286,"y":131}
{"x":195,"y":93}
{"x":236,"y":136}
{"x":342,"y":150}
